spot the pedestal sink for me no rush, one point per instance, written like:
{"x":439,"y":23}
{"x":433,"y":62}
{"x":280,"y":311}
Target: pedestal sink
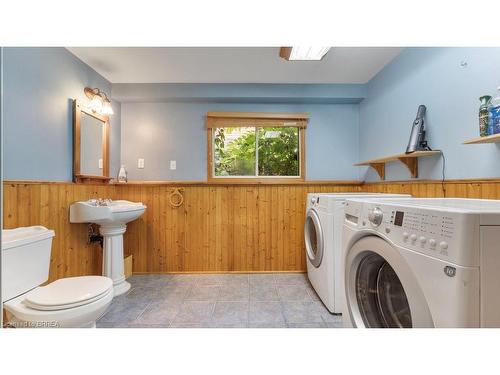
{"x":112,"y":216}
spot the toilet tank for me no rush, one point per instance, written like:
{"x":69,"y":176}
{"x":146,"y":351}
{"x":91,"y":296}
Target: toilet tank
{"x":25,"y":259}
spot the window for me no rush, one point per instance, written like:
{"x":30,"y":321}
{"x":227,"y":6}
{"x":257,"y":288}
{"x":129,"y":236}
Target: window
{"x":256,"y":146}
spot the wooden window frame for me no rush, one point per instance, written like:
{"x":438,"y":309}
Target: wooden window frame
{"x":263,"y":119}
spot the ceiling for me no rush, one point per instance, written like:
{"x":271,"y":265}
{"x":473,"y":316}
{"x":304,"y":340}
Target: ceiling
{"x":232,"y":64}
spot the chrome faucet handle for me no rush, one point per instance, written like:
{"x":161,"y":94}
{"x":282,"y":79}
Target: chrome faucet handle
{"x":104,"y":202}
{"x":93,"y":202}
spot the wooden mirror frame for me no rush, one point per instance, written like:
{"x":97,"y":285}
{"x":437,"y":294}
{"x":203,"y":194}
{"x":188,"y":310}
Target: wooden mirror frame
{"x":78,"y":177}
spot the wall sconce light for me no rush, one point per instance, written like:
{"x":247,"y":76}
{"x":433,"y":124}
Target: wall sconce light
{"x":99,"y":101}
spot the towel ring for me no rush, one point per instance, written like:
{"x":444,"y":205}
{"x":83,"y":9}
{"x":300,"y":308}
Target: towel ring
{"x":176,"y":192}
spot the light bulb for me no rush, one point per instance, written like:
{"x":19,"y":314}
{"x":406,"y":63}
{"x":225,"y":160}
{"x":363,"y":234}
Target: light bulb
{"x":96,"y":103}
{"x":107,"y":109}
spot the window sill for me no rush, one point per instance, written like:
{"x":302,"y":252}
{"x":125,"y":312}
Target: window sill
{"x":256,"y":181}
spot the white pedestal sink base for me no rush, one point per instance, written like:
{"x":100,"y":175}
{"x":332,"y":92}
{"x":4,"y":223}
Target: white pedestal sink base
{"x":112,"y":262}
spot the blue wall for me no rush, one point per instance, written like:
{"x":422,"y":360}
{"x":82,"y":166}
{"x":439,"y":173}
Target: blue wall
{"x":239,"y":93}
{"x":163,"y":123}
{"x":434,"y":77}
{"x":159,"y":132}
{"x":38,"y":86}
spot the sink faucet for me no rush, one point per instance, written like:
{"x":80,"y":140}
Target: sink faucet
{"x":93,"y":202}
{"x":104,"y":202}
{"x":100,"y":202}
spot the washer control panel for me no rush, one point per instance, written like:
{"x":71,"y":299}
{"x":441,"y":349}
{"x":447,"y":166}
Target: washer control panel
{"x":424,"y":229}
{"x":451,"y":236}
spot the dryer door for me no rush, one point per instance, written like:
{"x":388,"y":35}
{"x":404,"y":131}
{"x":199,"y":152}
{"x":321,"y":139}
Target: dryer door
{"x":381,"y":289}
{"x":314,"y":239}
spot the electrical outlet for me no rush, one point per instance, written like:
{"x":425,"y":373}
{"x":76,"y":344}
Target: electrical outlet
{"x":140,"y":163}
{"x":173,"y":164}
{"x":100,"y":163}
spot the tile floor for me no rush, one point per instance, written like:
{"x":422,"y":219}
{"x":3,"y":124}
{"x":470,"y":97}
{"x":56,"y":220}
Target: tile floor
{"x":278,"y":300}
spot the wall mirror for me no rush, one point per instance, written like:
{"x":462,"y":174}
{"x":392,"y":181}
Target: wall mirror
{"x":90,"y":146}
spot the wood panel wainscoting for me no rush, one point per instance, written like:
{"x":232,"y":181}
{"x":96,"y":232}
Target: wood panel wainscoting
{"x":218,"y":228}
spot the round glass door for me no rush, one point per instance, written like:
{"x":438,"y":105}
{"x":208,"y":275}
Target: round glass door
{"x":313,"y":238}
{"x":380,"y":295}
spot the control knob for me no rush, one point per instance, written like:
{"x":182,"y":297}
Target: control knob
{"x":375,"y":216}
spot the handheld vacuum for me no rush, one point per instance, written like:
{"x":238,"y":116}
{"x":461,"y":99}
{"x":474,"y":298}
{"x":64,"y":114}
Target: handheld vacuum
{"x":417,"y":140}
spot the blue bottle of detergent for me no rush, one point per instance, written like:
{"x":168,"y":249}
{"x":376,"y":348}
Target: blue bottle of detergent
{"x":494,"y":115}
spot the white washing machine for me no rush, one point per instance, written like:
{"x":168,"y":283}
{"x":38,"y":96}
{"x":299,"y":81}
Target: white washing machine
{"x":422,"y":263}
{"x":322,"y":231}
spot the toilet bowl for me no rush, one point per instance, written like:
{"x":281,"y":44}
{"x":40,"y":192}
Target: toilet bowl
{"x":68,"y":302}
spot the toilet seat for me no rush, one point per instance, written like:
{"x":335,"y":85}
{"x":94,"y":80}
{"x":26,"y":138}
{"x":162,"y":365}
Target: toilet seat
{"x":84,"y":315}
{"x":68,"y":293}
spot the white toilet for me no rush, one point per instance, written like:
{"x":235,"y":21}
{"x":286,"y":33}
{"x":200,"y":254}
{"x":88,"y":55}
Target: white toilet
{"x":68,"y":302}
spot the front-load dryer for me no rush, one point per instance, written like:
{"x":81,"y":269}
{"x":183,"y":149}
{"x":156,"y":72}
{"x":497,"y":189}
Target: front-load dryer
{"x":422,"y":263}
{"x":322,"y":231}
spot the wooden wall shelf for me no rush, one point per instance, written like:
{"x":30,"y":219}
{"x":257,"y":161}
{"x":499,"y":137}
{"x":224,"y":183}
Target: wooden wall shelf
{"x":88,"y":179}
{"x":410,"y":160}
{"x":495,"y":138}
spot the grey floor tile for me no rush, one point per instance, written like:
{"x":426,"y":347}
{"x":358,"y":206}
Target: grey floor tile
{"x":267,"y":325}
{"x":326,"y":315}
{"x":194,"y":312}
{"x":209,"y":279}
{"x":234,"y":279}
{"x":203,"y":293}
{"x":143,"y":325}
{"x":149,"y":280}
{"x":183,"y":279}
{"x":266,"y":312}
{"x":291,"y":278}
{"x":100,"y":324}
{"x":232,"y":292}
{"x":174,"y":293}
{"x":142,"y":278}
{"x":334,"y":324}
{"x":307,"y":325}
{"x":293,"y":293}
{"x":123,"y":312}
{"x":229,"y":325}
{"x":262,"y":279}
{"x":218,"y":301}
{"x":159,"y":313}
{"x":130,"y":325}
{"x":264,"y":292}
{"x":191,"y":325}
{"x":139,"y":294}
{"x":331,"y":318}
{"x":231,"y":312}
{"x":312,"y":293}
{"x":301,"y":312}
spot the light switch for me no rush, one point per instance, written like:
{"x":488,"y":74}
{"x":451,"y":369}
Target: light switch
{"x":100,"y":163}
{"x":173,"y":164}
{"x":140,"y":163}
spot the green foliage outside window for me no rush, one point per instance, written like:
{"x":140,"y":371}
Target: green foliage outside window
{"x":235,"y":151}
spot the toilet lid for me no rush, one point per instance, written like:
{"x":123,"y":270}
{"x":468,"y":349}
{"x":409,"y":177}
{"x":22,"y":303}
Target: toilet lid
{"x":69,"y":292}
